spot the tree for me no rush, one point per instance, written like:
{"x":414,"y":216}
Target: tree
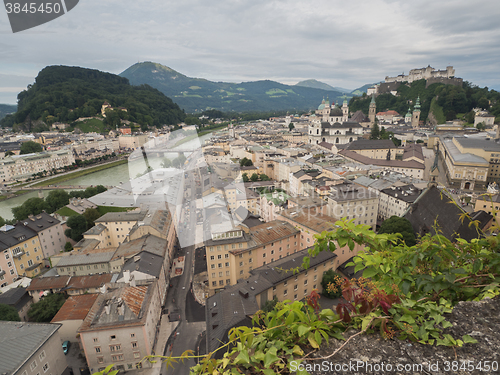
{"x":254,"y":177}
{"x":245,"y":178}
{"x":9,"y":313}
{"x":30,"y":147}
{"x":291,"y":126}
{"x":480,"y":126}
{"x":2,"y":221}
{"x":91,"y":215}
{"x":166,"y":163}
{"x":396,"y":224}
{"x":9,"y":153}
{"x":264,"y":177}
{"x":246,"y":162}
{"x":32,"y":206}
{"x":269,"y":305}
{"x":68,"y":246}
{"x":483,"y":103}
{"x":57,"y":199}
{"x":77,"y":226}
{"x":45,"y":309}
{"x":330,"y":283}
{"x":375,"y":133}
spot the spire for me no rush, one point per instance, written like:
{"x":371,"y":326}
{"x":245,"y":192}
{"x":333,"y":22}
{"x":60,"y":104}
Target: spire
{"x":373,"y":100}
{"x":417,"y":104}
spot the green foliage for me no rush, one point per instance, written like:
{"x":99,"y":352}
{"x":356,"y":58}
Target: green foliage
{"x":9,"y":313}
{"x":291,"y":126}
{"x":480,"y":126}
{"x":269,"y":305}
{"x":245,"y":178}
{"x":246,"y":162}
{"x":45,"y":309}
{"x":331,"y":284}
{"x":31,"y":206}
{"x":64,"y":94}
{"x":166,"y":163}
{"x":254,"y":177}
{"x":2,"y":221}
{"x":375,"y":132}
{"x":77,"y":226}
{"x":264,"y":177}
{"x":30,"y":147}
{"x":396,"y":224}
{"x":68,"y":246}
{"x":91,"y":215}
{"x":57,"y":199}
{"x":9,"y":153}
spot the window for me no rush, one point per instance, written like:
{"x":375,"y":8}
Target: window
{"x":221,"y":282}
{"x":113,"y":337}
{"x":214,"y":283}
{"x":137,"y":355}
{"x":100,"y":359}
{"x":295,"y":287}
{"x":97,"y":349}
{"x":305,"y":282}
{"x":212,"y":257}
{"x":45,"y":367}
{"x":220,"y":265}
{"x":33,"y":365}
{"x":227,"y":264}
{"x":285,"y":292}
{"x":212,"y":266}
{"x":241,"y":264}
{"x":118,"y":357}
{"x":96,"y":339}
{"x":134,"y":345}
{"x":220,"y":274}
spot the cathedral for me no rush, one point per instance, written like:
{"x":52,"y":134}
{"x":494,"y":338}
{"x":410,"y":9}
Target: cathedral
{"x":331,"y":124}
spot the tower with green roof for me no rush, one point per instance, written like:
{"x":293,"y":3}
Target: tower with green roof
{"x":372,"y":111}
{"x":416,"y":114}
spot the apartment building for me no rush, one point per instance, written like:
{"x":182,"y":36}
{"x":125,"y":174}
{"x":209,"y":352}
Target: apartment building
{"x":120,"y":328}
{"x":394,"y":201}
{"x":31,"y":349}
{"x":235,"y":305}
{"x":50,"y":233}
{"x":132,"y":141}
{"x":21,"y":167}
{"x":231,"y":255}
{"x":353,"y":202}
{"x":21,"y":249}
{"x":117,"y":226}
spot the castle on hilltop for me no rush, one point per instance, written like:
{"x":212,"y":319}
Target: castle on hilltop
{"x":424,"y":73}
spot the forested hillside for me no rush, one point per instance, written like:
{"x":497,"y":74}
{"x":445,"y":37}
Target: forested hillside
{"x":64,"y":94}
{"x":452,"y":100}
{"x":5,"y":109}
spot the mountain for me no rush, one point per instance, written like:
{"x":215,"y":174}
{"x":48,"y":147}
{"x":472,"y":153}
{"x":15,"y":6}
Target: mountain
{"x":360,"y":90}
{"x":314,"y":84}
{"x":64,"y":94}
{"x":6,"y":109}
{"x":197,"y":94}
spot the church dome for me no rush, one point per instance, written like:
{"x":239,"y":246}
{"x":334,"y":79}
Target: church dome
{"x":336,"y":111}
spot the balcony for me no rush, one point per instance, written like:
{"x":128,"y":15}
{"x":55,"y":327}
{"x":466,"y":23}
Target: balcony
{"x":19,"y":254}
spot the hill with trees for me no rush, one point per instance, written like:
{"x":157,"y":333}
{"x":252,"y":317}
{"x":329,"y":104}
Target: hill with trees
{"x":6,"y":109}
{"x":64,"y":94}
{"x":448,"y":102}
{"x":198,"y":94}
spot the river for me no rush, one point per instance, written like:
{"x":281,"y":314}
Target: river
{"x":109,"y":177}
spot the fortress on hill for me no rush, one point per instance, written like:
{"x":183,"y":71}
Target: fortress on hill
{"x":424,"y":73}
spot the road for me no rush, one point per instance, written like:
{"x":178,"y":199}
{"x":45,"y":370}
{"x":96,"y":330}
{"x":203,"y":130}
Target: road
{"x":192,"y":315}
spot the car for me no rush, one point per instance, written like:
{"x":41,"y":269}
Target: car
{"x":65,"y":346}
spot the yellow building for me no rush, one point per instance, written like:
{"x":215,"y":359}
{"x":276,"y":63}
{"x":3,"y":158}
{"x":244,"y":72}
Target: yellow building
{"x":21,"y":244}
{"x":231,"y":255}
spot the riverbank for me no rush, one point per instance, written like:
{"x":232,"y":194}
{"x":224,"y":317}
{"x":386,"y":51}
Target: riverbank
{"x":79,"y":173}
{"x":200,"y":134}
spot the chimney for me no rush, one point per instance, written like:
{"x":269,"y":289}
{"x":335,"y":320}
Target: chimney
{"x":132,"y":281}
{"x":104,"y":288}
{"x":107,"y":309}
{"x":126,"y":276}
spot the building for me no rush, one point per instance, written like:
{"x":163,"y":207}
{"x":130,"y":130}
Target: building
{"x":41,"y":286}
{"x":112,"y":228}
{"x":72,"y":314}
{"x":353,"y":202}
{"x":76,"y":264}
{"x":372,"y":110}
{"x":235,"y":305}
{"x":231,"y":255}
{"x":423,"y":73}
{"x":22,"y":167}
{"x":469,"y":163}
{"x":120,"y":328}
{"x":18,"y":298}
{"x":485,"y":118}
{"x":31,"y":349}
{"x":394,"y":201}
{"x":50,"y":233}
{"x":21,"y":248}
{"x":415,"y":119}
{"x":132,"y":141}
{"x":383,"y":149}
{"x":489,"y":203}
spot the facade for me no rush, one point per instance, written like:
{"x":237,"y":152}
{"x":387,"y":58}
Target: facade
{"x":113,"y":228}
{"x":84,"y":264}
{"x":50,"y":233}
{"x":19,"y":299}
{"x":485,"y":118}
{"x":31,"y":349}
{"x":383,"y":149}
{"x":354,"y":203}
{"x":129,"y":141}
{"x":233,"y":254}
{"x":21,"y":248}
{"x":120,"y":328}
{"x":21,"y":167}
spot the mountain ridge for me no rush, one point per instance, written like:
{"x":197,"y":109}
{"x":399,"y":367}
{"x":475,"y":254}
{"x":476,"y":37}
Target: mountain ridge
{"x":199,"y":94}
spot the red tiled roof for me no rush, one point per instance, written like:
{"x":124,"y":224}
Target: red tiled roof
{"x":75,"y":308}
{"x":51,"y":282}
{"x":133,"y":297}
{"x":90,"y":281}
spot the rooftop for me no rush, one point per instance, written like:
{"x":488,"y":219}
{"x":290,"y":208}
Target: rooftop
{"x":122,"y":216}
{"x":75,"y":308}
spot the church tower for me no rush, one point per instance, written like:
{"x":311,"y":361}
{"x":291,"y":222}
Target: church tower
{"x":416,"y":114}
{"x":231,"y":130}
{"x":345,"y":111}
{"x":372,"y":110}
{"x":408,"y":116}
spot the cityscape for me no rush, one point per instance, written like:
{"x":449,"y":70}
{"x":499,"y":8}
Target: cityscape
{"x":249,"y":188}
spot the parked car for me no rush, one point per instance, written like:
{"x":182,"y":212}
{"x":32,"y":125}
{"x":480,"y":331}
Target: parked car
{"x":65,"y":346}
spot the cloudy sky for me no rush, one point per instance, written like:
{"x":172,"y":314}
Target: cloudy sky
{"x":345,"y":44}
